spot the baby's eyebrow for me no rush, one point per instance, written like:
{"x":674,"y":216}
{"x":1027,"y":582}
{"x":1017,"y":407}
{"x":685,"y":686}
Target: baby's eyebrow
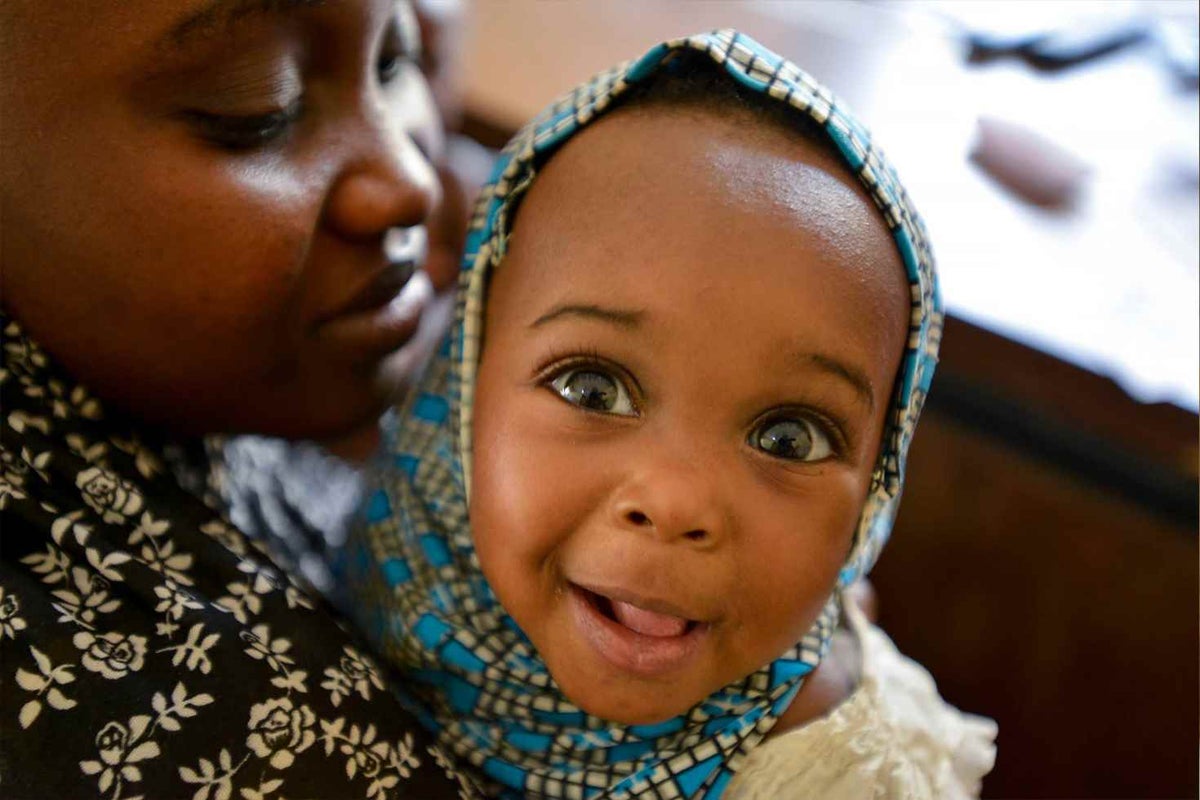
{"x":218,"y":15}
{"x":850,"y":374}
{"x":625,"y":318}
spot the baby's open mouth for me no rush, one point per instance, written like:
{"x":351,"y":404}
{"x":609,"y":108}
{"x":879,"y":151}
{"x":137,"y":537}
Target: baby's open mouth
{"x":645,"y":621}
{"x":647,"y":637}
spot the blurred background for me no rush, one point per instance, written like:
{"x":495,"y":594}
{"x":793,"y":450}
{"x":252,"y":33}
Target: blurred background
{"x":1044,"y":567}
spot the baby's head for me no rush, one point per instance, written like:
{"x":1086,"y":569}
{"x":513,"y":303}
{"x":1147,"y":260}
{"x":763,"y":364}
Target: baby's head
{"x":688,"y":364}
{"x":695,"y":330}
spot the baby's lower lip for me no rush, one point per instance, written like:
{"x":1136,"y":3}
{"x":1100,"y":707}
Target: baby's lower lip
{"x":630,"y":651}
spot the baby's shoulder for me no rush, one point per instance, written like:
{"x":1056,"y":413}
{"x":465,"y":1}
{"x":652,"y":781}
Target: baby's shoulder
{"x":894,"y":736}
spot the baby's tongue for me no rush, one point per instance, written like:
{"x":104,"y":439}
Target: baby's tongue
{"x":648,"y":623}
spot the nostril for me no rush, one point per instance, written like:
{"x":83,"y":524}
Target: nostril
{"x":696,"y":535}
{"x":638,"y":518}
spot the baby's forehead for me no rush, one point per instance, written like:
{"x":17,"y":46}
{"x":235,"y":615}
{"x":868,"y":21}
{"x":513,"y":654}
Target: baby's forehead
{"x":650,"y":207}
{"x":676,"y":176}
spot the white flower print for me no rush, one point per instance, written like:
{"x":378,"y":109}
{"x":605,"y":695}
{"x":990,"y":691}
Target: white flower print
{"x":121,"y":747}
{"x":89,"y":598}
{"x":53,"y":565}
{"x":11,"y":488}
{"x":19,"y":421}
{"x":181,"y":705}
{"x":194,"y":650}
{"x":265,"y":578}
{"x":148,"y":527}
{"x":467,"y":790}
{"x":227,"y":536}
{"x":44,"y":685}
{"x":75,"y":401}
{"x":91,"y":453}
{"x":210,"y":778}
{"x":70,"y":523}
{"x":296,"y":598}
{"x":108,"y":495}
{"x":279,"y":730}
{"x":162,"y":558}
{"x":261,"y":647}
{"x":241,"y":602}
{"x":147,"y":464}
{"x":38,"y":463}
{"x":118,"y":761}
{"x":84,"y":523}
{"x":106,"y":565}
{"x":10,"y":620}
{"x":380,"y":761}
{"x":357,"y":673}
{"x":173,"y":600}
{"x":114,"y":655}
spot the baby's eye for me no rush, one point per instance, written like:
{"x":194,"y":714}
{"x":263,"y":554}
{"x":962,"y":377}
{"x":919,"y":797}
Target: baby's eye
{"x":792,"y":439}
{"x":595,"y":390}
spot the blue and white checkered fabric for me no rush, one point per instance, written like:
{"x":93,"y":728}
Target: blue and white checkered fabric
{"x":476,"y":679}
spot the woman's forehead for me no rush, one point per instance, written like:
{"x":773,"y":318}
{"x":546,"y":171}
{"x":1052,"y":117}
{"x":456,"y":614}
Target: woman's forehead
{"x":137,"y":27}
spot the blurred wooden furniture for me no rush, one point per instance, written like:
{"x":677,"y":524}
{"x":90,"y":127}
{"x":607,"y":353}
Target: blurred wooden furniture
{"x":1048,"y":591}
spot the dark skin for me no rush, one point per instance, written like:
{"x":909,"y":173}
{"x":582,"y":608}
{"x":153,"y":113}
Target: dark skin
{"x":628,"y":506}
{"x":196,"y":203}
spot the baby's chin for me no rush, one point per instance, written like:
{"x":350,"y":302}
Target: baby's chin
{"x":624,"y":700}
{"x":631,"y":713}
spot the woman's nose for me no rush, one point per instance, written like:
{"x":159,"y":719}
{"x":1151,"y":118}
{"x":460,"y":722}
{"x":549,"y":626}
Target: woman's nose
{"x":386,"y":183}
{"x":672,"y":502}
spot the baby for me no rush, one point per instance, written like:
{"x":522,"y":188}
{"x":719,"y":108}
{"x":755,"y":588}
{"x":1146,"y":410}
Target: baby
{"x":697,"y":322}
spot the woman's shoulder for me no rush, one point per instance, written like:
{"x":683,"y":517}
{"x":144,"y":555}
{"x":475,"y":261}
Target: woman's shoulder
{"x":894,"y":736}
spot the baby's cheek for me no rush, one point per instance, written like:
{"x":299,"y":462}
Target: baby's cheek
{"x":795,"y":564}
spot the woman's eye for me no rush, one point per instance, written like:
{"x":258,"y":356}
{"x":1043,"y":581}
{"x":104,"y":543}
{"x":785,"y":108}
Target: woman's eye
{"x":246,"y":132}
{"x":792,"y":440}
{"x":388,"y":67}
{"x":594,"y":390}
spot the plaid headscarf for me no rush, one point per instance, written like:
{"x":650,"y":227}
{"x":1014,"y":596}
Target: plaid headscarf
{"x":476,"y":679}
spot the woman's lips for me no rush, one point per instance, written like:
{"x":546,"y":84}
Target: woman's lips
{"x":645,"y":641}
{"x":381,"y":290}
{"x":382,"y":317}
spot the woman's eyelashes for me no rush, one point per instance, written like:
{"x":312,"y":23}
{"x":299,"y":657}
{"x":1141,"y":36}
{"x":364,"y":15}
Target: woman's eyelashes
{"x":239,"y":132}
{"x":243,"y":132}
{"x":594,"y":388}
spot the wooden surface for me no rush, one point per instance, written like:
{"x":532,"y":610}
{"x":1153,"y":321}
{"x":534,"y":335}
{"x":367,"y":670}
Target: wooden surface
{"x":1064,"y":612}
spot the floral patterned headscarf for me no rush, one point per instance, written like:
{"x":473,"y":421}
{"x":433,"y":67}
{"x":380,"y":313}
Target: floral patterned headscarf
{"x":477,"y":680}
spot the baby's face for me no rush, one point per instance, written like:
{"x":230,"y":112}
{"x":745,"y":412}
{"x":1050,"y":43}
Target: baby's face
{"x":690,"y":351}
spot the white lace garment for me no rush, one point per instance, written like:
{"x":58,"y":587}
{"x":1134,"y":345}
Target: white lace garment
{"x":894,"y":737}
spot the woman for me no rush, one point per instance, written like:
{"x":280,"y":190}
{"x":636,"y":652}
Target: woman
{"x":212,"y":212}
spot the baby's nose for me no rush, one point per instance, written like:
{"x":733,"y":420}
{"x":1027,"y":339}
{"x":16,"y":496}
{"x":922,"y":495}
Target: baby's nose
{"x":672,"y":504}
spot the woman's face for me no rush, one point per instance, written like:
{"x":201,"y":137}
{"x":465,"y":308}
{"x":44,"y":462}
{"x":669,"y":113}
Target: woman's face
{"x":690,"y":350}
{"x":197,"y":197}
